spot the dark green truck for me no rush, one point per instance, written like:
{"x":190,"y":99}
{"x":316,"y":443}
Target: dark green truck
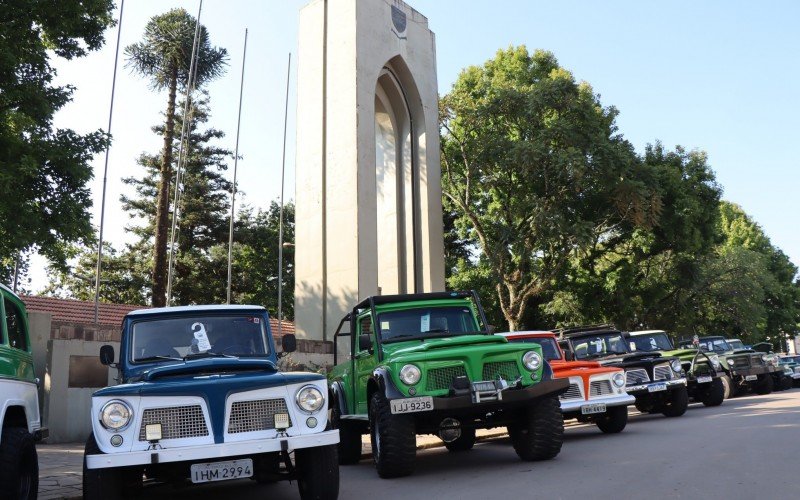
{"x":703,"y":369}
{"x":428,"y":364}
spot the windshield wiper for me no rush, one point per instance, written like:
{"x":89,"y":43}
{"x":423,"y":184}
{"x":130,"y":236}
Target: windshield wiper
{"x":208,"y":354}
{"x":153,"y":358}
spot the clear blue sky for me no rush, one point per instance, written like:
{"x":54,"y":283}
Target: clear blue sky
{"x":722,"y":76}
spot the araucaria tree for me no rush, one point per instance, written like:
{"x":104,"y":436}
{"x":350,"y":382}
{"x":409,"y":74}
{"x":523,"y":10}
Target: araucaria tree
{"x":164,"y":57}
{"x":44,"y":171}
{"x":535,"y":172}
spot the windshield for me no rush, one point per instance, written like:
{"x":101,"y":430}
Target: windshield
{"x":651,"y":342}
{"x":426,"y":322}
{"x":177,"y":338}
{"x":549,"y":347}
{"x":716,"y":344}
{"x":598,"y":345}
{"x":736,"y":344}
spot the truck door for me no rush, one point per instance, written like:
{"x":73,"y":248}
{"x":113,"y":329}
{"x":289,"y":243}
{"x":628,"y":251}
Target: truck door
{"x":365,"y":362}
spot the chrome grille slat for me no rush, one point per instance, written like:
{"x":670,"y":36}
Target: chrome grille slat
{"x":441,"y":378}
{"x":506,"y":369}
{"x":255,"y":415}
{"x":662,"y":372}
{"x":632,"y":376}
{"x":600,"y":388}
{"x":177,"y":422}
{"x":574,"y":392}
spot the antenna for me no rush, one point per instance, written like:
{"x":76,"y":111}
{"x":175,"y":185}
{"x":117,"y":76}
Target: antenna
{"x":105,"y":178}
{"x":183,"y":151}
{"x":280,"y":219}
{"x":235,"y":169}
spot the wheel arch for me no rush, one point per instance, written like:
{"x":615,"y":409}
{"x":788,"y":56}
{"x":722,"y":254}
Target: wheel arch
{"x":14,"y":416}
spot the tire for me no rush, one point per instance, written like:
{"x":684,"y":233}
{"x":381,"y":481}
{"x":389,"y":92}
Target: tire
{"x":393,"y":439}
{"x":540,"y":431}
{"x":614,"y":420}
{"x":19,"y":465}
{"x":107,"y":484}
{"x":318,"y":472}
{"x":786,"y":383}
{"x":644,"y":406}
{"x":728,"y":387}
{"x":765,"y":385}
{"x":677,"y":403}
{"x":349,"y":438}
{"x":465,"y":441}
{"x":715,"y":394}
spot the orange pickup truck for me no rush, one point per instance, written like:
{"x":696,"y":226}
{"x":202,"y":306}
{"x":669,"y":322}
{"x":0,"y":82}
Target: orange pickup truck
{"x":596,"y":393}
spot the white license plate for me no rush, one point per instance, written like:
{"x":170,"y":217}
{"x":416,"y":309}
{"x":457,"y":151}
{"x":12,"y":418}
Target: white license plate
{"x":412,"y":405}
{"x":750,"y":378}
{"x":593,"y":408}
{"x":657,"y":388}
{"x":222,"y":471}
{"x":703,"y":380}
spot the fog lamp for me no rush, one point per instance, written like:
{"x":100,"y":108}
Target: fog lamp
{"x":152,"y":432}
{"x":281,"y":421}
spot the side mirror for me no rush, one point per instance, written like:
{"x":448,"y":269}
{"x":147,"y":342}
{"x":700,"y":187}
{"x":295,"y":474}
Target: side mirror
{"x":569,"y":356}
{"x":365,"y":342}
{"x":107,"y":355}
{"x":289,"y":343}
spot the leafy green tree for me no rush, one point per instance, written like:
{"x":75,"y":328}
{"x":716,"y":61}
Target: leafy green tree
{"x":537,"y":173}
{"x":46,"y":169}
{"x":164,"y":57}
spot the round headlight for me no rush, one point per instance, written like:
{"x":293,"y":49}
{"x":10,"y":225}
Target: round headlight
{"x":532,"y":360}
{"x":730,"y":362}
{"x":764,"y":358}
{"x":676,"y":366}
{"x":310,"y":399}
{"x":618,"y":379}
{"x":714,"y":361}
{"x":115,"y":415}
{"x":410,"y":374}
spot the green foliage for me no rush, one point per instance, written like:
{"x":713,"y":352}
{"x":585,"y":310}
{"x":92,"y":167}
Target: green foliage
{"x":46,"y":169}
{"x":535,"y":169}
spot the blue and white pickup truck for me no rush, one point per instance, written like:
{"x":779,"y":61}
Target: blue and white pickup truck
{"x":201,"y":399}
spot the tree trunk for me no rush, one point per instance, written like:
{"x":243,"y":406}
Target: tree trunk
{"x":162,"y":205}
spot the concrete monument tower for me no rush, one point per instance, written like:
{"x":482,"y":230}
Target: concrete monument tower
{"x":368,"y":184}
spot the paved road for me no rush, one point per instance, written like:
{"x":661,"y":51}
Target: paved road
{"x":747,"y":448}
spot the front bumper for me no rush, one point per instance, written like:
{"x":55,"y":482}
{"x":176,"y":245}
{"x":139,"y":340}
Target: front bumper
{"x":574,"y":405}
{"x":211,"y":451}
{"x":753,"y":370}
{"x":644,"y":389}
{"x":511,"y":398}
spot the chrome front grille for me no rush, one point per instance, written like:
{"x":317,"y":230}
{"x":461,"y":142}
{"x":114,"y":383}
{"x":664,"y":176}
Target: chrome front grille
{"x":662,"y":372}
{"x":755,"y":360}
{"x":508,"y":370}
{"x":600,"y":388}
{"x":636,"y":376}
{"x":741,"y":362}
{"x":177,"y":422}
{"x":574,"y":392}
{"x":257,"y":415}
{"x":441,"y":378}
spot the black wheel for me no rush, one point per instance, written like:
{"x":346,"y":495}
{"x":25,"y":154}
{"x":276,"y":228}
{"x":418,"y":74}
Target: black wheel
{"x":318,"y":472}
{"x":349,"y":437}
{"x":19,"y":466}
{"x":99,"y":484}
{"x":786,"y":383}
{"x":765,"y":385}
{"x":614,"y":420}
{"x":644,"y":405}
{"x":677,"y":402}
{"x":714,"y":395}
{"x":393,"y":439}
{"x":729,"y":387}
{"x":465,"y":441}
{"x":539,"y":433}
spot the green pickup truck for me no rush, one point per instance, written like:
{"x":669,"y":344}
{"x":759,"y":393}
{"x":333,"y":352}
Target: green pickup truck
{"x":428,"y":364}
{"x":19,"y":402}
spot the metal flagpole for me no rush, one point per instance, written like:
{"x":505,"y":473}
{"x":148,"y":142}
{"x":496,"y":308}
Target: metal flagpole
{"x":235,"y":169}
{"x":105,"y":174}
{"x":182,"y":150}
{"x":280,"y":219}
